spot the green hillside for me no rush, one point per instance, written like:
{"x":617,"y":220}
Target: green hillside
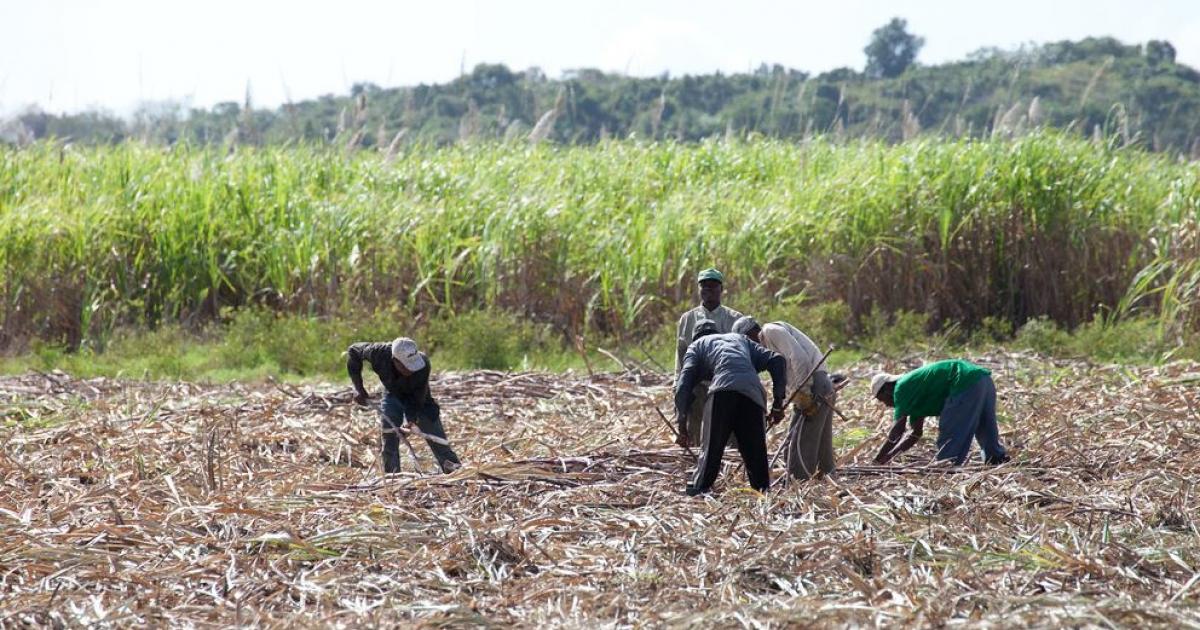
{"x":1097,"y":85}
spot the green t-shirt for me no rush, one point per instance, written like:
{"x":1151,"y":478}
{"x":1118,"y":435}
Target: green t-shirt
{"x":923,"y":392}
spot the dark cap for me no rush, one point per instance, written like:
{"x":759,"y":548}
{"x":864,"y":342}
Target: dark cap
{"x":705,"y":327}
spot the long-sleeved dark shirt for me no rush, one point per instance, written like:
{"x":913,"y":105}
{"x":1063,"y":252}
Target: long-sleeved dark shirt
{"x":411,"y":390}
{"x":732,"y":362}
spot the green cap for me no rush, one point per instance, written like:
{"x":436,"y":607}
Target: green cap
{"x":710,"y":274}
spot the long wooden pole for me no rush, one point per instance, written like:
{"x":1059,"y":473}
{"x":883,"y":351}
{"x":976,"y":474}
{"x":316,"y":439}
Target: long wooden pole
{"x":674,"y":431}
{"x":791,"y":429}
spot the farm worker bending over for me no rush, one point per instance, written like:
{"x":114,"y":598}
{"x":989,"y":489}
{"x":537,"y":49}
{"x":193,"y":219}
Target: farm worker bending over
{"x":404,"y":373}
{"x":810,"y":446}
{"x":711,"y":284}
{"x":963,"y":397}
{"x":732,"y":363}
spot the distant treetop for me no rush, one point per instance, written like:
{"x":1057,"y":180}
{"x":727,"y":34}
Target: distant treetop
{"x":1097,"y":85}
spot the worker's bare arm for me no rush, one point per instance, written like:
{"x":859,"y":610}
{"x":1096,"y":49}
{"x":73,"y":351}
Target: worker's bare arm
{"x":918,"y":426}
{"x":889,"y":448}
{"x":894,"y":443}
{"x":893,"y":438}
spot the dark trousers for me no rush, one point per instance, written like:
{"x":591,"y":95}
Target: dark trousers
{"x":698,"y":415}
{"x":733,"y":414}
{"x":970,"y":414}
{"x":428,"y":419}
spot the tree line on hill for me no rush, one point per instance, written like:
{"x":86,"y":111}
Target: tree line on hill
{"x":1138,"y":94}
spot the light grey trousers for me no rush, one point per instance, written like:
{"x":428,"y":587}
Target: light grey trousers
{"x":811,"y":448}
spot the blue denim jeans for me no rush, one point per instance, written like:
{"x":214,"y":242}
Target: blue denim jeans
{"x":428,"y":419}
{"x":971,"y":413}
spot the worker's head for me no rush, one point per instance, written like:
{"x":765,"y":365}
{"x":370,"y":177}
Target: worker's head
{"x":883,"y":388}
{"x":748,"y":326}
{"x":406,"y":357}
{"x":711,"y":285}
{"x":705,"y":327}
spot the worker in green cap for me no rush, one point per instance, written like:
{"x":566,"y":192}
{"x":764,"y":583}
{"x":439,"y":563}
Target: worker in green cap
{"x":711,"y":283}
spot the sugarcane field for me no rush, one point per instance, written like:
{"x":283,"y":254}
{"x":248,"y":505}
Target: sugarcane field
{"x":460,"y":314}
{"x":174,"y":504}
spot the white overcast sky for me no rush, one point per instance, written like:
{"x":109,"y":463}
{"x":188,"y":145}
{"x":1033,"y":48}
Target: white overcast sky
{"x":68,"y":55}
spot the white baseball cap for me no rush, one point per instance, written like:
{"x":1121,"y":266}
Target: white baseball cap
{"x":405,"y":351}
{"x":881,"y":379}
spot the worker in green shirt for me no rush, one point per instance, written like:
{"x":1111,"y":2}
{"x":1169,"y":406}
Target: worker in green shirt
{"x":962,"y":396}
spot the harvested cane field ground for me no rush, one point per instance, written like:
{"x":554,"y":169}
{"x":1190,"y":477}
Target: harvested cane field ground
{"x":130,"y":503}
